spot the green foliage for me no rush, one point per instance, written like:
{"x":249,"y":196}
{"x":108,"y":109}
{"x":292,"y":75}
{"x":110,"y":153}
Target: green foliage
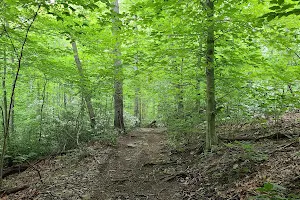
{"x":248,"y":152}
{"x":272,"y":191}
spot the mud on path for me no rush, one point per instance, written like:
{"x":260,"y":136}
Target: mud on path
{"x":140,"y":168}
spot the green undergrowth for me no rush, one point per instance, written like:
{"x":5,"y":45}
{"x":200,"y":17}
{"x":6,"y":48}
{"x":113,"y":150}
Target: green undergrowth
{"x":273,"y":191}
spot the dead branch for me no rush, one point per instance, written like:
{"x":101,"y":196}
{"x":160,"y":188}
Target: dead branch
{"x":173,"y":176}
{"x":282,"y":147}
{"x":14,"y":170}
{"x":274,"y":136}
{"x":152,"y":124}
{"x":38,"y":171}
{"x":13,"y":190}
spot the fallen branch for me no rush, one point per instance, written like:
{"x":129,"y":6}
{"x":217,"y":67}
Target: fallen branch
{"x":274,"y":136}
{"x":152,"y":125}
{"x":38,"y":171}
{"x":14,"y":170}
{"x":13,"y":190}
{"x":281,"y":148}
{"x":173,"y":176}
{"x":150,"y":164}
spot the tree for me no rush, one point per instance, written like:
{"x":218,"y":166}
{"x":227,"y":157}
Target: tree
{"x":211,"y":137}
{"x":118,"y":85}
{"x":8,"y":105}
{"x":85,"y":92}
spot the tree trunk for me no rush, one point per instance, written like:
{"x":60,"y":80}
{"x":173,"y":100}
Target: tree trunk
{"x":137,"y":106}
{"x":12,"y":118}
{"x":118,"y":85}
{"x":180,"y":92}
{"x":4,"y":114}
{"x":198,"y":79}
{"x":84,"y":90}
{"x":42,"y":109}
{"x":211,"y":137}
{"x":8,"y":110}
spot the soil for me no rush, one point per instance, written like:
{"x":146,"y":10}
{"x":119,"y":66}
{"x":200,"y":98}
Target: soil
{"x":139,"y":167}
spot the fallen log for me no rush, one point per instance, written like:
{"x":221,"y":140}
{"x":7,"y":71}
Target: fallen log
{"x":12,"y":190}
{"x":152,"y":124}
{"x":274,"y":136}
{"x":14,"y":170}
{"x":21,"y":168}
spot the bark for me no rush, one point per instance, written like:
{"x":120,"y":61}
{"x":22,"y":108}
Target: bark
{"x":211,"y":137}
{"x":84,"y":90}
{"x":180,"y":106}
{"x":118,"y":106}
{"x":137,"y":106}
{"x":198,"y":79}
{"x":14,"y":170}
{"x":118,"y":85}
{"x":5,"y":115}
{"x":12,"y":118}
{"x":42,"y":109}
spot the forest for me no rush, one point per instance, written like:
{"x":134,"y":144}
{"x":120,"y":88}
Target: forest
{"x":150,"y":99}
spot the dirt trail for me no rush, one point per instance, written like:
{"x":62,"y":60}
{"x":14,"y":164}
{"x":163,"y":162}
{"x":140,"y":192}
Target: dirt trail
{"x":138,"y":169}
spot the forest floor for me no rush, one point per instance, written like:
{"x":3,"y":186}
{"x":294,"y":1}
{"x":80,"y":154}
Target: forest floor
{"x":143,"y":166}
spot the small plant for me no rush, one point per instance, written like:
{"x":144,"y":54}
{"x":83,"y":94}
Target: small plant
{"x":272,"y":191}
{"x":249,"y":153}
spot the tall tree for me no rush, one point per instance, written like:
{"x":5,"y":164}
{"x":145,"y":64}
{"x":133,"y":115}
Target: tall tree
{"x":211,"y":137}
{"x":85,"y":91}
{"x":118,"y":85}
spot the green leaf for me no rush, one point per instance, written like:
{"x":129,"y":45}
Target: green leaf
{"x":271,"y":16}
{"x":66,"y":13}
{"x":81,"y":16}
{"x":287,"y":6}
{"x":274,"y":8}
{"x":295,"y":11}
{"x":58,"y":18}
{"x":280,"y":2}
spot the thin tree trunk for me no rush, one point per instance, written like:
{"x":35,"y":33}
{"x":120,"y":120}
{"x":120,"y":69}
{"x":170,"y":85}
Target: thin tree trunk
{"x":198,"y":79}
{"x":137,"y":86}
{"x":137,"y":106}
{"x":65,"y":98}
{"x":42,"y":109}
{"x":118,"y":85}
{"x":180,"y":105}
{"x":7,"y":110}
{"x":211,"y":137}
{"x":4,"y":114}
{"x":12,"y":118}
{"x":84,"y":90}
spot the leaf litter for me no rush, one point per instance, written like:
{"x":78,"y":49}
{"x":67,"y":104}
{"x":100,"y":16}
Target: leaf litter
{"x":143,"y":166}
